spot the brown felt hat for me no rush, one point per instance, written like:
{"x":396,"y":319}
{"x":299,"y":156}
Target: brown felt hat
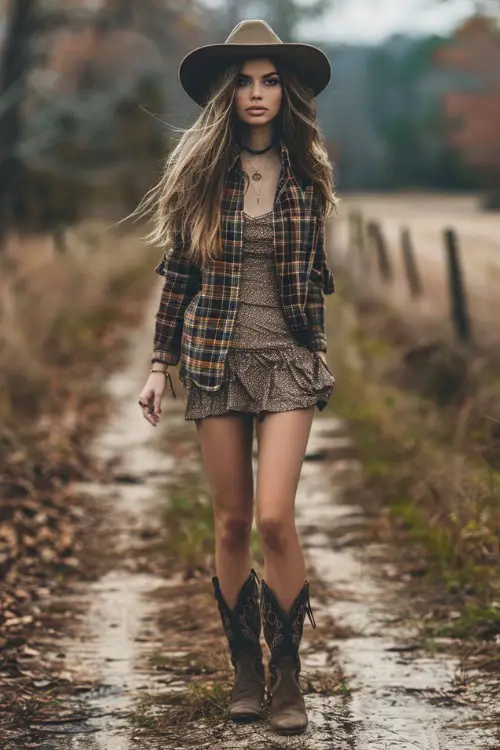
{"x":199,"y":69}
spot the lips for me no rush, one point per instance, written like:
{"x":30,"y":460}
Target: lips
{"x":256,"y":110}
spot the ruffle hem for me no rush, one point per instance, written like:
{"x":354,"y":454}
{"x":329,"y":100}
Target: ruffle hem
{"x":264,"y":380}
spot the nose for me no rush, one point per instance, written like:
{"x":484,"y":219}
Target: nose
{"x":256,"y":91}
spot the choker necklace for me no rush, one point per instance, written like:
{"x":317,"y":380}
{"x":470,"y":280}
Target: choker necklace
{"x":256,"y":152}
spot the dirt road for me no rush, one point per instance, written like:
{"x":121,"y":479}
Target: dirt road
{"x":146,"y":635}
{"x":427,"y":215}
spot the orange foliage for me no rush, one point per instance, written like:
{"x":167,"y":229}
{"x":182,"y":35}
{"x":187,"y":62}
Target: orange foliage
{"x":473,"y":111}
{"x":126,"y":47}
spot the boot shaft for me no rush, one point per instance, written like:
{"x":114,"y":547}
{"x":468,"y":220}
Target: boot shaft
{"x":242,"y":625}
{"x":283,"y":632}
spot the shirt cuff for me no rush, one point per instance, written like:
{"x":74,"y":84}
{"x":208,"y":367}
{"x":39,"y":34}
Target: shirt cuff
{"x":166,"y":358}
{"x":319,"y":343}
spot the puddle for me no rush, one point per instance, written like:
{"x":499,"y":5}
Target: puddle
{"x":396,"y":697}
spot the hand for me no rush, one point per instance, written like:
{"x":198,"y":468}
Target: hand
{"x":151,"y":396}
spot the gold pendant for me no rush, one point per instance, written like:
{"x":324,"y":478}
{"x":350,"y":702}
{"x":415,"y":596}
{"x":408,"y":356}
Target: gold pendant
{"x":257,"y":176}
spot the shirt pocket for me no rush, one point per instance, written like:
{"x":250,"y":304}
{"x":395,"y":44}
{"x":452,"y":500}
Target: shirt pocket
{"x":190,"y":311}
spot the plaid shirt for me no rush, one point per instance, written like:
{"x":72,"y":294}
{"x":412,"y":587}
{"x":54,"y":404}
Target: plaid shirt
{"x":198,"y":306}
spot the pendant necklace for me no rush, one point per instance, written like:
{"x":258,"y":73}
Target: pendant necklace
{"x":257,"y":177}
{"x":257,"y":174}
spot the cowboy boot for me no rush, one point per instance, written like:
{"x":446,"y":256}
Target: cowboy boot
{"x":242,"y":626}
{"x":283,"y":634}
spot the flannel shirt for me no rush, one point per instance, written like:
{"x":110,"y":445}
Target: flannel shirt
{"x":198,"y":306}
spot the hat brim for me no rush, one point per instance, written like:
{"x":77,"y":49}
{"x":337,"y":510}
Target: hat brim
{"x":199,"y":68}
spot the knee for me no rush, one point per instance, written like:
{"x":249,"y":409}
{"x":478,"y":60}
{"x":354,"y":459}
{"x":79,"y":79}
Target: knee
{"x":233,"y":532}
{"x":274,"y":534}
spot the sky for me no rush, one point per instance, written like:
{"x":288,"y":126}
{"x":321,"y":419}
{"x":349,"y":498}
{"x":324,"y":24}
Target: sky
{"x":372,"y":21}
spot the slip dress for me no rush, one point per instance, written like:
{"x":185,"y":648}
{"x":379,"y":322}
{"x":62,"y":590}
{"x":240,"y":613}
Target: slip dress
{"x":266,"y":370}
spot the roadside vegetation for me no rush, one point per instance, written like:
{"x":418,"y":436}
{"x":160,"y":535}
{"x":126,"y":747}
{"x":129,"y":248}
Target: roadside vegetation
{"x":426,"y":419}
{"x":64,"y":322}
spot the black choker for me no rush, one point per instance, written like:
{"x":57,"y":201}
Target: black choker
{"x":256,"y":152}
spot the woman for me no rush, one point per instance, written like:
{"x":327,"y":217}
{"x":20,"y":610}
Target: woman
{"x":242,"y":206}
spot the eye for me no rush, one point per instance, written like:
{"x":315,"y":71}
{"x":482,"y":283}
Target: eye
{"x":242,"y":81}
{"x":273,"y":81}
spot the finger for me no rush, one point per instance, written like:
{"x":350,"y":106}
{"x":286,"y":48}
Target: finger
{"x":149,"y":416}
{"x":146,"y":405}
{"x":157,"y":405}
{"x":148,"y":411}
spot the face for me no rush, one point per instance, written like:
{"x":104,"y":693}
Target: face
{"x":258,"y":92}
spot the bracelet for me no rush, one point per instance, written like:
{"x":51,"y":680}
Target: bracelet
{"x":169,"y":379}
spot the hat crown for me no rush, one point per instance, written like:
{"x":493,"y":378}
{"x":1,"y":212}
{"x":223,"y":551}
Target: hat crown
{"x":253,"y":32}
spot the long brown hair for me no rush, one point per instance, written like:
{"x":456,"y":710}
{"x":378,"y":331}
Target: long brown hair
{"x":186,"y":201}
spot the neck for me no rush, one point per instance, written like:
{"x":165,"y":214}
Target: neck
{"x":258,"y":137}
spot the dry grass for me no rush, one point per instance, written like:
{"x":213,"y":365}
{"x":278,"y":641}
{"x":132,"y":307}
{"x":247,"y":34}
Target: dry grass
{"x":428,"y":443}
{"x":53,"y":308}
{"x":64,"y":322}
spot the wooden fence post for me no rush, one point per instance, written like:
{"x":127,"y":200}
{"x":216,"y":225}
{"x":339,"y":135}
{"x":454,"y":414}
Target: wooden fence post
{"x":355,"y":240}
{"x":59,"y":239}
{"x":351,"y":240}
{"x":359,"y":240}
{"x":377,"y":238}
{"x":458,"y":299}
{"x":410,"y":264}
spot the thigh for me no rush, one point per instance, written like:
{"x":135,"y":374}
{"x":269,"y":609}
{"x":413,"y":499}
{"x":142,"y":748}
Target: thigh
{"x":226,"y":448}
{"x":282,"y":441}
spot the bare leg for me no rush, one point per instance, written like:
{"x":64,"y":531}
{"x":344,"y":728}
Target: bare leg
{"x":282,"y":439}
{"x":226,"y":447}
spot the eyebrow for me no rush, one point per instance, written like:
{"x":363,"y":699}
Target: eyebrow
{"x":266,"y":75}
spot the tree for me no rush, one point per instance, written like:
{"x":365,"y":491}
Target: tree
{"x":13,"y":75}
{"x":78,"y":85}
{"x":473,"y":108}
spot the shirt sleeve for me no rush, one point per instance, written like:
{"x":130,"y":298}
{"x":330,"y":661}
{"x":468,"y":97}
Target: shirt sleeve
{"x":320,"y":283}
{"x":320,"y":272}
{"x":182,"y":282}
{"x":315,"y":312}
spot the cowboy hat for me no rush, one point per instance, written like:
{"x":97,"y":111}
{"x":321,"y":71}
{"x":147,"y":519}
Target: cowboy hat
{"x":200,"y":67}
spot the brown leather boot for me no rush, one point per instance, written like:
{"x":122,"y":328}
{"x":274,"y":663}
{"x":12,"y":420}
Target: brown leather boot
{"x":242,"y":626}
{"x":283,"y":634}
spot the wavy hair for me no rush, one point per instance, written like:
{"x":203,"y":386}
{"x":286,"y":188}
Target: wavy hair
{"x":186,"y":201}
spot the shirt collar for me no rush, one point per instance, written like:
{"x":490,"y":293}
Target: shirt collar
{"x":285,"y":157}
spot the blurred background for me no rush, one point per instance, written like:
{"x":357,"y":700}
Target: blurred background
{"x":85,"y":84}
{"x":88,"y":88}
